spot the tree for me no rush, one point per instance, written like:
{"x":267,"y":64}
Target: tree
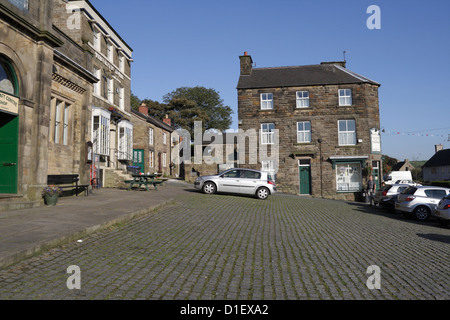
{"x":205,"y":104}
{"x":135,"y":102}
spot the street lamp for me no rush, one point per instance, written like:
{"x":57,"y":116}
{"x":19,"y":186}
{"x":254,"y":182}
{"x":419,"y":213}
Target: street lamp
{"x":320,"y":148}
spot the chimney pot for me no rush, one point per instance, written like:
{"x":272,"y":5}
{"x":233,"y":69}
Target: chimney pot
{"x":143,"y":109}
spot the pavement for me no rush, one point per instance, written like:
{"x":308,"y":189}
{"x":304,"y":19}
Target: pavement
{"x":26,"y":232}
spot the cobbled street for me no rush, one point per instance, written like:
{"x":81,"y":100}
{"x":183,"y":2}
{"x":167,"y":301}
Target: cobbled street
{"x":231,"y":247}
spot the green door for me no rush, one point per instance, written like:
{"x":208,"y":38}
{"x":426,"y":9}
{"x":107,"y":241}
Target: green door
{"x":9,"y":132}
{"x":305,"y":180}
{"x":138,"y":159}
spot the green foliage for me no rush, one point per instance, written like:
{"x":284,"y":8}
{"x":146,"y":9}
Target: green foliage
{"x":445,"y":184}
{"x":135,"y":102}
{"x":205,"y":104}
{"x":186,"y":105}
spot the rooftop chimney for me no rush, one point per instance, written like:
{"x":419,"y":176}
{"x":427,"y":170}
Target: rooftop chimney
{"x":339,"y":63}
{"x":167,"y":120}
{"x":143,"y":109}
{"x":246,"y":64}
{"x":439,"y":147}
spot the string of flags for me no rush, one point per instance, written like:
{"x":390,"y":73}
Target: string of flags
{"x":425,"y":133}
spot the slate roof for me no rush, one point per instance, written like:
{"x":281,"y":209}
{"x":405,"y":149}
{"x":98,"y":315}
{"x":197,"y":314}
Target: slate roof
{"x":298,"y":76}
{"x":441,"y":158}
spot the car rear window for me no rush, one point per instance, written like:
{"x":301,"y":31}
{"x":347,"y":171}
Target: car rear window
{"x":250,"y":174}
{"x":410,"y":190}
{"x":386,"y":188}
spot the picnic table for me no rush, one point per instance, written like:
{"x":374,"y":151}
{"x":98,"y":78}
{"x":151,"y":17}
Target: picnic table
{"x":143,"y":179}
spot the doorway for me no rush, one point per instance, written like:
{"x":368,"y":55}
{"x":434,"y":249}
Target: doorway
{"x":305,"y":176}
{"x":9,"y":133}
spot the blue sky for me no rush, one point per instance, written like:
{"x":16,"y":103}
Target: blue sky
{"x":180,"y":43}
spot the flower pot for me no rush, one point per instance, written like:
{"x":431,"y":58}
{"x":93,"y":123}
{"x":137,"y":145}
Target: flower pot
{"x":51,"y":200}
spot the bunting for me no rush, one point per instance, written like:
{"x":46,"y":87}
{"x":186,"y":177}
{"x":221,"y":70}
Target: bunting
{"x":421,"y":133}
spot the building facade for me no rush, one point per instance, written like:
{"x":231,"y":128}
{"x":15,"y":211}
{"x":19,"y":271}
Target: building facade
{"x":49,"y":84}
{"x":109,"y":60}
{"x":437,"y":168}
{"x":153,"y":143}
{"x":322,"y":120}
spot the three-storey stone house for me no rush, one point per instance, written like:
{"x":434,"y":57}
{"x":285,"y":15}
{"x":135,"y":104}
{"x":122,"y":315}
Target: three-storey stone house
{"x":325,"y":119}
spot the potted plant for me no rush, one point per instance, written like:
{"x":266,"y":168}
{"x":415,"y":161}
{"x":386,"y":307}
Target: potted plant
{"x":51,"y":195}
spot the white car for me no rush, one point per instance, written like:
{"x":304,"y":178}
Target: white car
{"x":409,"y":182}
{"x":420,"y":201}
{"x":244,"y":181}
{"x":442,"y":212}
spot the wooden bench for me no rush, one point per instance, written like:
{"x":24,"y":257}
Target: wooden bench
{"x":66,"y":181}
{"x":131,"y":183}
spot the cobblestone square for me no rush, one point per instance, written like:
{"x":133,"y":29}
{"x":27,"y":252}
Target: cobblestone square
{"x":224,"y":247}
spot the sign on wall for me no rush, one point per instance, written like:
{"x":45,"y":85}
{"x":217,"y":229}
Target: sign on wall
{"x":375,"y":139}
{"x":9,"y":104}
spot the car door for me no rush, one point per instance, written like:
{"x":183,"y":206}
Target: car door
{"x":249,"y":181}
{"x":229,"y":181}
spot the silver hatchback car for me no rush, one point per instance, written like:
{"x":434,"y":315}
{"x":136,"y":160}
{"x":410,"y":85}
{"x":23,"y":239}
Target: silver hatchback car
{"x":420,"y":201}
{"x":243,"y":181}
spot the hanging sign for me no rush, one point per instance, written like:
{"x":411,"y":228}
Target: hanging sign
{"x":375,"y":140}
{"x":9,"y":104}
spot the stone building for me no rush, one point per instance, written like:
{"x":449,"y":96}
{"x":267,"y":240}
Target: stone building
{"x":109,"y":58}
{"x":48,"y":84}
{"x":44,"y":79}
{"x":326,"y":120}
{"x":152,"y":142}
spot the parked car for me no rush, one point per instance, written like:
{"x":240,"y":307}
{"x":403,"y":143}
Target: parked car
{"x":386,"y":196}
{"x":409,"y":182}
{"x":442,"y":212}
{"x":420,"y":201}
{"x":243,"y":181}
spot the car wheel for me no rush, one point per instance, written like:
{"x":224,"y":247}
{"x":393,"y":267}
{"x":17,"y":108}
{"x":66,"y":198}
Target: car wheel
{"x":262,"y":193}
{"x":422,"y":213}
{"x":209,"y":188}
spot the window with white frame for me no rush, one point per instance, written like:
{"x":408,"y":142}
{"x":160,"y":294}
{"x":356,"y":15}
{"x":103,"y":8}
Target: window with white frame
{"x":97,"y":86}
{"x":164,"y":138}
{"x":100,"y":131}
{"x":348,"y":177}
{"x":151,"y":159}
{"x":345,"y":97}
{"x":61,"y":121}
{"x":122,"y":63}
{"x":97,"y":40}
{"x":150,"y":136}
{"x":110,"y":52}
{"x":266,"y":101}
{"x":267,"y":133}
{"x":302,"y":99}
{"x":66,"y":124}
{"x":122,"y":98}
{"x":125,"y":141}
{"x":270,"y":167}
{"x":347,"y":132}
{"x":164,"y":160}
{"x":111,"y":90}
{"x":304,"y":132}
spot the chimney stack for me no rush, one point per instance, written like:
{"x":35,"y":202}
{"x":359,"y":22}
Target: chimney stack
{"x":167,"y":120}
{"x":143,"y":109}
{"x":246,"y":64}
{"x":439,"y":147}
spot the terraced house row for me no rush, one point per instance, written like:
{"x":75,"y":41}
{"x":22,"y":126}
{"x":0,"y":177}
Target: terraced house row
{"x":328,"y":124}
{"x":65,"y":87}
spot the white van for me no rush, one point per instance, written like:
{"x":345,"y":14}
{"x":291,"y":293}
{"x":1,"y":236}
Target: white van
{"x":398,"y":175}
